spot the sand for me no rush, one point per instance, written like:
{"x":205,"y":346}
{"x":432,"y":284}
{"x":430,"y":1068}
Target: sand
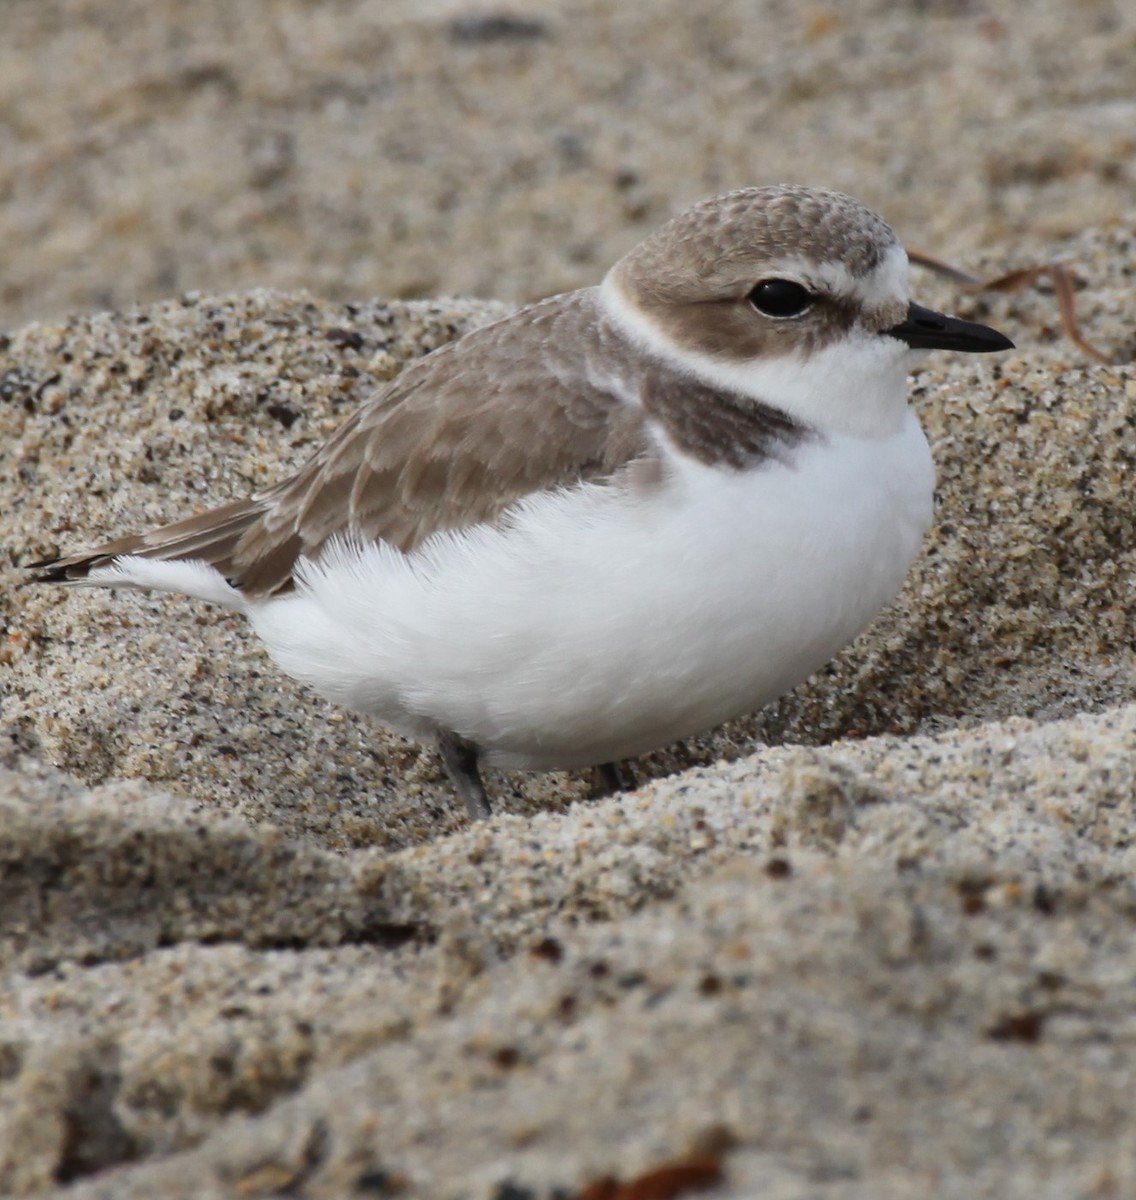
{"x":878,"y":940}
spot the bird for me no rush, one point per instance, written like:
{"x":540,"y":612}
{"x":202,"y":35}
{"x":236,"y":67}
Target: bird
{"x":617,"y":517}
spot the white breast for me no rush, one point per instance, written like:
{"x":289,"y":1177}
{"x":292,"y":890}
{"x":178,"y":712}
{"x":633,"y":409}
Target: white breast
{"x":594,"y":627}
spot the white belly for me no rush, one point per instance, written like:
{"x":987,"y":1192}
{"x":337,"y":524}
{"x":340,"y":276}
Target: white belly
{"x":593,"y":628}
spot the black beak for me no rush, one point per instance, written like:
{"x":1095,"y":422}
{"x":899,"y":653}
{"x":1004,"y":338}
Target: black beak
{"x":926,"y":329}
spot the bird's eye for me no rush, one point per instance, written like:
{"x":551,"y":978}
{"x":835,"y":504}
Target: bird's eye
{"x":780,"y":298}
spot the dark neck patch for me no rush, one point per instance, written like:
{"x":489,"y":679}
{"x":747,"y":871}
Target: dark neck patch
{"x":720,"y":428}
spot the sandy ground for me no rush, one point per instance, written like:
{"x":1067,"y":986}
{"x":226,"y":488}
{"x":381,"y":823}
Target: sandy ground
{"x":876,"y":941}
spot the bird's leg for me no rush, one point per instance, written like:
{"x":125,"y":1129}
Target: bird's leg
{"x":610,"y":779}
{"x":459,"y":757}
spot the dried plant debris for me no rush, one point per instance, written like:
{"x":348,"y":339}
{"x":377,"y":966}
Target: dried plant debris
{"x":1060,"y":274}
{"x":681,"y":1177}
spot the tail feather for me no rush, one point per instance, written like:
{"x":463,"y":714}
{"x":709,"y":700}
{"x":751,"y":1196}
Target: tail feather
{"x":211,"y":537}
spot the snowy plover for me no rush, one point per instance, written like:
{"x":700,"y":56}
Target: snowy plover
{"x":612,"y":519}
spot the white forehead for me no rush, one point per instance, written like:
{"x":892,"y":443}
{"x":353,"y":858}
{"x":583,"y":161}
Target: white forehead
{"x":887,"y":282}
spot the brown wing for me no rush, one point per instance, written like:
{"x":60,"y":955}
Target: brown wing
{"x":530,"y":403}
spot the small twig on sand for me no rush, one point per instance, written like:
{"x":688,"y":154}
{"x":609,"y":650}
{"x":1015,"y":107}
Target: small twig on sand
{"x":1014,"y":281}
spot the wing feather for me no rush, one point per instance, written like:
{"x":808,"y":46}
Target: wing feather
{"x":453,"y":441}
